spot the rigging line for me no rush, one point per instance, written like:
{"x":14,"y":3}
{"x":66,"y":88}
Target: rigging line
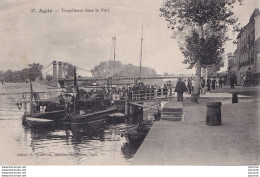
{"x":47,"y":72}
{"x":47,"y":66}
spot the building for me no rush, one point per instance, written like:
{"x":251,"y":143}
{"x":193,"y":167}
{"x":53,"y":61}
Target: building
{"x":247,"y":54}
{"x":257,"y":43}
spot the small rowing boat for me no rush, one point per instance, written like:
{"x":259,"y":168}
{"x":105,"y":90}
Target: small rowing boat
{"x":137,"y":134}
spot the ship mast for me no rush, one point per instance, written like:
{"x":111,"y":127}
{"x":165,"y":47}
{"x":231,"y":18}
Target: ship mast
{"x":114,"y":69}
{"x":141,"y":54}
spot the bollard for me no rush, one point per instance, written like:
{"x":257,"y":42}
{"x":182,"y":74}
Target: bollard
{"x":234,"y":98}
{"x":213,"y":116}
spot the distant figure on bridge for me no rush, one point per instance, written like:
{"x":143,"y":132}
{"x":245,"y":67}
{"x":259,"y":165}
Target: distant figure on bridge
{"x":159,"y":91}
{"x":180,"y":89}
{"x":152,"y":91}
{"x":170,"y":87}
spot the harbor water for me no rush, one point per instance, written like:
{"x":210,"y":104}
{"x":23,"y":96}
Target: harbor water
{"x":95,"y":144}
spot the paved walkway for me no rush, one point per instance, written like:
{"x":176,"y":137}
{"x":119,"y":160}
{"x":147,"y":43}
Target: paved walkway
{"x":192,"y":142}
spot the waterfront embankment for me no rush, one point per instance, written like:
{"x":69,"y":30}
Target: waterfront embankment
{"x":192,"y":142}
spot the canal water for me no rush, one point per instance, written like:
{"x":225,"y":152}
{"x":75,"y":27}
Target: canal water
{"x":94,"y":144}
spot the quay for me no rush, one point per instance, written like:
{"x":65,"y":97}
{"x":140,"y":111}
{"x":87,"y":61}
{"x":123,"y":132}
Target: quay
{"x":192,"y":142}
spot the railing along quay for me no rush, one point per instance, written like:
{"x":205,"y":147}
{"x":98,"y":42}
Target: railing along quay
{"x":140,"y":95}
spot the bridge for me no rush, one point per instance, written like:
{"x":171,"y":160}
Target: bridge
{"x":185,"y":76}
{"x":58,"y":76}
{"x":134,"y":99}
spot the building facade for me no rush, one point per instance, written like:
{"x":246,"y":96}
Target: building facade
{"x":247,"y":53}
{"x":257,"y":43}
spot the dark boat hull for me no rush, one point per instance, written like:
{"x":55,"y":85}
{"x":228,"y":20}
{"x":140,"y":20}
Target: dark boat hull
{"x":117,"y":118}
{"x":78,"y":119}
{"x":55,"y":116}
{"x":136,"y":135}
{"x":52,"y":115}
{"x":135,"y":139}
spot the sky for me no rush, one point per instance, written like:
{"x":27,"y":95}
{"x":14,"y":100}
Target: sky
{"x":85,"y":39}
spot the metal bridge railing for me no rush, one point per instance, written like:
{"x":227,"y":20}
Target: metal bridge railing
{"x":151,"y":94}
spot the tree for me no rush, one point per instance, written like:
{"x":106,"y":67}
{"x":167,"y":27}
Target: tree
{"x":8,"y":76}
{"x":17,"y":77}
{"x":1,"y":76}
{"x":25,"y":74}
{"x":48,"y":77}
{"x":205,"y":24}
{"x":106,"y":68}
{"x":35,"y":71}
{"x":68,"y":70}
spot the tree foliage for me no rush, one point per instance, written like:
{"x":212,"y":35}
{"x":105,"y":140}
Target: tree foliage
{"x":68,"y":70}
{"x":106,"y":68}
{"x":205,"y":24}
{"x":48,"y":77}
{"x":183,"y":13}
{"x":207,"y":51}
{"x":35,"y":71}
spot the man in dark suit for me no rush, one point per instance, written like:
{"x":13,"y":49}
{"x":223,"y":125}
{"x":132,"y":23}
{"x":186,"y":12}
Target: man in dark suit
{"x":180,"y":89}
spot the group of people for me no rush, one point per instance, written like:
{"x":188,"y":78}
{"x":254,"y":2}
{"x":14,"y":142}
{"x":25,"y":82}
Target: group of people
{"x":248,"y":81}
{"x":141,"y":91}
{"x":215,"y":83}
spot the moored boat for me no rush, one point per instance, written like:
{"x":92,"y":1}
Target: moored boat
{"x":137,"y":134}
{"x":117,"y":117}
{"x":79,"y":119}
{"x":88,"y":107}
{"x":52,"y":108}
{"x":31,"y":121}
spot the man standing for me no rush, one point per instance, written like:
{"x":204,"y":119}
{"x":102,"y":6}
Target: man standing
{"x":208,"y":84}
{"x":192,"y":85}
{"x":220,"y":82}
{"x":202,"y":85}
{"x":180,"y":88}
{"x":165,"y":91}
{"x":213,"y":84}
{"x":232,"y":82}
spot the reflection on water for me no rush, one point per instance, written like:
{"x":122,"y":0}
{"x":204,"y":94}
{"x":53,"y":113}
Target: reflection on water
{"x":100,"y":143}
